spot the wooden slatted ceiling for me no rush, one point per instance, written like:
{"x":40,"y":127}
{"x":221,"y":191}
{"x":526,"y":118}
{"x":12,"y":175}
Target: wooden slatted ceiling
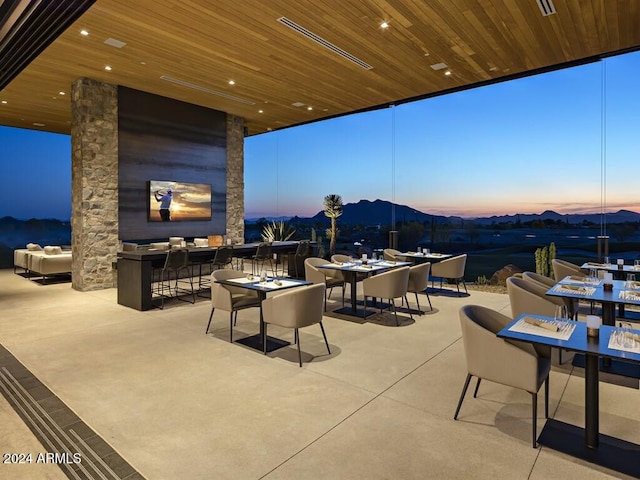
{"x":208,"y":43}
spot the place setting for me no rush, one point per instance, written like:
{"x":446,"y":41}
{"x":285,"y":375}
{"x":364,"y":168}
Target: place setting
{"x":558,"y":327}
{"x":625,"y":338}
{"x":574,"y":289}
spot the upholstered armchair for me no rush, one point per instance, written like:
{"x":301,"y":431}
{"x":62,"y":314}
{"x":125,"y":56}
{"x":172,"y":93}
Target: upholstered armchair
{"x":419,"y":281}
{"x":451,"y":269}
{"x":230,"y":298}
{"x":562,"y":268}
{"x":296,"y":308}
{"x":488,"y":357}
{"x":323,"y":275}
{"x":391,"y":254}
{"x":388,"y":285}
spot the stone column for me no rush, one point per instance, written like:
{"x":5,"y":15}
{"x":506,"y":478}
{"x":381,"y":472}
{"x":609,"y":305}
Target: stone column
{"x":94,"y":184}
{"x":235,"y":178}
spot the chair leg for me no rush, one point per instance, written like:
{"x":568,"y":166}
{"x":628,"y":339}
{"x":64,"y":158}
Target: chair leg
{"x":395,"y":313}
{"x":295,"y":335}
{"x":364,"y":313}
{"x":534,"y":412}
{"x":475,"y":392}
{"x":235,"y":318}
{"x":230,"y":327}
{"x":458,"y":285}
{"x":343,"y":287}
{"x":464,"y":391}
{"x":325,"y":299}
{"x":418,"y":303}
{"x":429,"y":299}
{"x":405,"y":299}
{"x":464,"y":285}
{"x":210,"y":318}
{"x":325,"y":338}
{"x":299,"y":354}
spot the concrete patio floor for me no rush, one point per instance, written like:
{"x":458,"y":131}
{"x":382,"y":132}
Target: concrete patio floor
{"x":176,"y":403}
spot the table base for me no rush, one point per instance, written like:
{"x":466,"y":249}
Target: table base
{"x":359,"y":312}
{"x":613,"y":453}
{"x":616,"y":367}
{"x":255,"y":342}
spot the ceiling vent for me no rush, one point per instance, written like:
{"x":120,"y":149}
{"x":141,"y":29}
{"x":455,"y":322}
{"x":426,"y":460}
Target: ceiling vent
{"x":28,"y":27}
{"x":114,"y":43}
{"x":546,"y":7}
{"x":206,"y":90}
{"x":325,"y":43}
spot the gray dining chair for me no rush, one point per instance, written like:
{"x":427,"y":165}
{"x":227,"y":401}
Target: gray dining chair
{"x":419,"y":281}
{"x":488,"y":357}
{"x":546,"y":283}
{"x":389,"y":286}
{"x":451,"y":269}
{"x":295,"y":308}
{"x":331,"y":278}
{"x":391,"y":254}
{"x":230,"y":298}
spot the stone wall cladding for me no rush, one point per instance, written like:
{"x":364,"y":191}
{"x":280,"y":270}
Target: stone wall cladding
{"x":94,"y":184}
{"x":235,"y":179}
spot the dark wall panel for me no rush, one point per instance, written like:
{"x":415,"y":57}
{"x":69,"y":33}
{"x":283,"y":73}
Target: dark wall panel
{"x":164,"y":139}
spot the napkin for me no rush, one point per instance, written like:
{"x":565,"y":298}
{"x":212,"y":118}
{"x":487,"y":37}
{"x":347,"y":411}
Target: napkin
{"x":541,"y":323}
{"x":575,"y":288}
{"x":629,"y":295}
{"x":633,"y":336}
{"x":576,"y":278}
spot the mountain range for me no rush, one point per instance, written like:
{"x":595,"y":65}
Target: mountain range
{"x":378,"y":212}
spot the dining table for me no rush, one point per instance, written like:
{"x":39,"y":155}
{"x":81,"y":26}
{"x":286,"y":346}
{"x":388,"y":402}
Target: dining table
{"x":263,"y":287}
{"x":422,"y":257}
{"x":611,"y":342}
{"x":351,"y":271}
{"x":621,"y":292}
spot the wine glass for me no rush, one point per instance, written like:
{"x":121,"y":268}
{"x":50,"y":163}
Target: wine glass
{"x":561,"y":314}
{"x":627,"y":339}
{"x":631,"y":278}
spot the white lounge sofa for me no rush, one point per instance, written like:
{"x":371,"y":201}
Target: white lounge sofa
{"x":21,"y":256}
{"x":51,"y":261}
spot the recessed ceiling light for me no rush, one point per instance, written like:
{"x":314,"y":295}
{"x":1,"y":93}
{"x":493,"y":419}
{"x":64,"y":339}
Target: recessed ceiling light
{"x":143,"y":63}
{"x":426,"y":54}
{"x":493,"y":69}
{"x":107,"y":68}
{"x":384,"y":25}
{"x":269,"y":129}
{"x":4,"y":101}
{"x":260,"y":111}
{"x":447,"y":73}
{"x":84,"y":33}
{"x":232,"y":82}
{"x":61,"y":93}
{"x":309,"y":108}
{"x":297,"y":104}
{"x":37,"y":124}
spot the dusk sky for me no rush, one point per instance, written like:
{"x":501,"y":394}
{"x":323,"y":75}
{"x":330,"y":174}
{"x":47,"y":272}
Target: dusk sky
{"x":523,"y":146}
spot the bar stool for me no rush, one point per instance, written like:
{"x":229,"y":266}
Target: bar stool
{"x":177,"y":261}
{"x":263,"y":254}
